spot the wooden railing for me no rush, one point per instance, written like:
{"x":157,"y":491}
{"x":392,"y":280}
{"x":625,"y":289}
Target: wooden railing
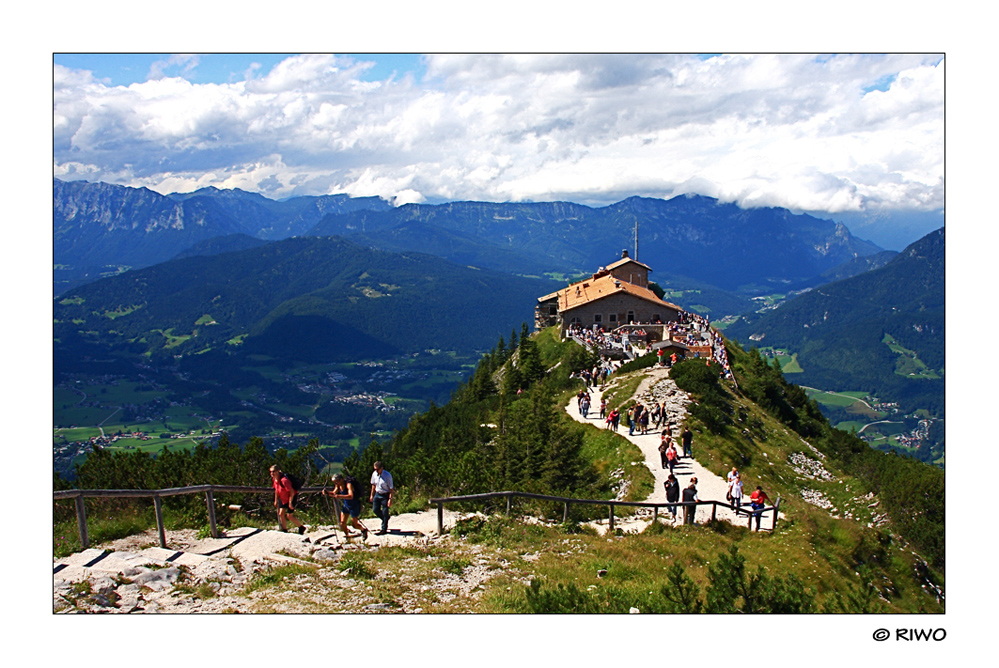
{"x":157,"y":495}
{"x":751,"y":514}
{"x":209,"y":491}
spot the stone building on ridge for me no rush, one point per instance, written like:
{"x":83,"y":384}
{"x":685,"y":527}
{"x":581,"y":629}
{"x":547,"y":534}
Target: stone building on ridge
{"x":616,"y":295}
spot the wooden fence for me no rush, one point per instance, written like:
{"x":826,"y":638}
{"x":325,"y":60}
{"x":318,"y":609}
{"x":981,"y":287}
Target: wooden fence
{"x":157,"y":496}
{"x":751,"y":514}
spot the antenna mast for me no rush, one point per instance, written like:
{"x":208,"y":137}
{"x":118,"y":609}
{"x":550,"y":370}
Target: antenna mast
{"x":636,"y":238}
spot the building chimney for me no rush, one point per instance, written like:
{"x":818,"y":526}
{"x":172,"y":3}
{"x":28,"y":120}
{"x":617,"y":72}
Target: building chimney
{"x":624,"y":253}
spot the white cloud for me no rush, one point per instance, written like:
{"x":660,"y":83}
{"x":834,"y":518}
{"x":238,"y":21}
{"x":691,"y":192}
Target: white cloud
{"x":791,"y":130}
{"x":187,"y":63}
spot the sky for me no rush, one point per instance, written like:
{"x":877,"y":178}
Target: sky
{"x":858,"y":137}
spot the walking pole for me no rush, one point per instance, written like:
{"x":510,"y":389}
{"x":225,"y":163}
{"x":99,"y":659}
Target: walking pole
{"x":332,"y":512}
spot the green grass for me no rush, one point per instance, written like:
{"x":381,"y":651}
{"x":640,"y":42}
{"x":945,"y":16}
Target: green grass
{"x":79,"y":433}
{"x":120,"y":524}
{"x":610,"y":451}
{"x":790,"y":364}
{"x":620,"y":391}
{"x":847,"y":425}
{"x":284,"y":576}
{"x":288,"y":409}
{"x":837,"y":399}
{"x":172,"y":340}
{"x":121,"y":311}
{"x":908,"y":363}
{"x":816,"y":550}
{"x":721,"y":324}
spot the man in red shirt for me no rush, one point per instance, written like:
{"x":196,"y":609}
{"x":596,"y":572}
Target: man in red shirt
{"x":759,"y":499}
{"x":284,"y":500}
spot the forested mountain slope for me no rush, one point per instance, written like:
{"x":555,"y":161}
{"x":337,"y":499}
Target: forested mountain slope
{"x":302,"y":298}
{"x":839,"y":330}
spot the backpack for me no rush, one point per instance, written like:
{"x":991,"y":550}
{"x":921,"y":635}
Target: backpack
{"x":351,"y":481}
{"x":296,"y":483}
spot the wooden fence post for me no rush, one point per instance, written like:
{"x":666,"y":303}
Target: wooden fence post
{"x":507,"y":504}
{"x":612,"y":519}
{"x":565,"y":512}
{"x":655,"y":513}
{"x":81,"y":522}
{"x":714,"y":511}
{"x":158,"y":505}
{"x":440,"y":518}
{"x":210,"y":502}
{"x":776,"y":508}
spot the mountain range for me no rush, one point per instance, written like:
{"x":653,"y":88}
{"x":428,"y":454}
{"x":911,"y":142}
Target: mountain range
{"x":102,"y":229}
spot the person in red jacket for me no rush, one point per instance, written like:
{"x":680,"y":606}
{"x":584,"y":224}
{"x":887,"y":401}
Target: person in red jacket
{"x":759,"y":499}
{"x":284,"y":500}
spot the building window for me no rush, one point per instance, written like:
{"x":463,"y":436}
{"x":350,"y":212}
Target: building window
{"x":612,"y":317}
{"x":631,"y":317}
{"x":597,"y":317}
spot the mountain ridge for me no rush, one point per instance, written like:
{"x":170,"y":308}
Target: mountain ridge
{"x":750,"y":251}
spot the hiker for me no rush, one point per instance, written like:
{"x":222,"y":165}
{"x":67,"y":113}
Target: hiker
{"x":687,"y":438}
{"x":663,"y":447}
{"x":671,"y":456}
{"x":690,"y":495}
{"x":382,"y":491}
{"x":732,"y":475}
{"x":758,"y":499}
{"x":672,"y":493}
{"x":284,"y":500}
{"x":346,"y":489}
{"x":735,"y":492}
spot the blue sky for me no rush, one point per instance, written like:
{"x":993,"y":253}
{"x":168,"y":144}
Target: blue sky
{"x":218,"y":68}
{"x":848,"y":135}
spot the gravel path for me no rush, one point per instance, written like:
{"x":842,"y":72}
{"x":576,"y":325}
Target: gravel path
{"x":658,"y":387}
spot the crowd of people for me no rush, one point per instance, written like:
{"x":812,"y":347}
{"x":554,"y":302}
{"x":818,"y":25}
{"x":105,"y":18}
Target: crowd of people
{"x":690,"y":329}
{"x":645,"y":419}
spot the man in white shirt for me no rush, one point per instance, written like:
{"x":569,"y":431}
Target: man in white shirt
{"x":382,"y":491}
{"x":736,"y":491}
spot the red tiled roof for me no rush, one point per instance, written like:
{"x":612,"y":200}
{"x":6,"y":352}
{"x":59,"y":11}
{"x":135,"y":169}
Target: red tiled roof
{"x":590,"y":290}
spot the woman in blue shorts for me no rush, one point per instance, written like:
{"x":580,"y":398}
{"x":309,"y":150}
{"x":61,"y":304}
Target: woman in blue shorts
{"x":346,"y":490}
